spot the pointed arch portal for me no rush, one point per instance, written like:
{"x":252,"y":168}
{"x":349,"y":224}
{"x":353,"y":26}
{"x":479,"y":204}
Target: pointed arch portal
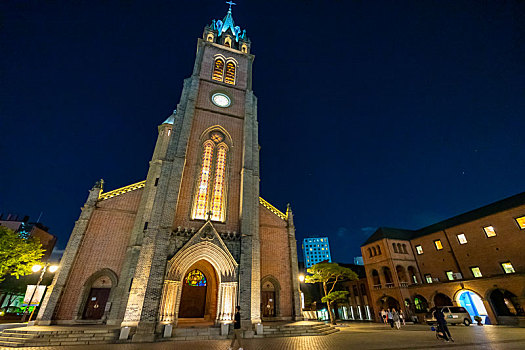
{"x":206,"y":253}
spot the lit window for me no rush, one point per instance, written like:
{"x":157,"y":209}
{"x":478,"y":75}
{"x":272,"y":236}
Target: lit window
{"x":476,"y":272}
{"x":450,"y":275}
{"x":462,"y":239}
{"x":489,"y":231}
{"x":428,"y":278}
{"x":201,"y":201}
{"x":217,"y":207}
{"x":438,"y":244}
{"x":230,"y":73}
{"x":419,"y":249}
{"x":521,"y":222}
{"x":218,"y":69}
{"x":507,"y":267}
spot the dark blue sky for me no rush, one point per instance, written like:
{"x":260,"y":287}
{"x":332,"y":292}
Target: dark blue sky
{"x":371,"y":113}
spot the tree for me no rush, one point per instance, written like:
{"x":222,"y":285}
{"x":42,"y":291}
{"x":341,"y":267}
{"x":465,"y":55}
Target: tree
{"x":18,"y":254}
{"x":328,"y":274}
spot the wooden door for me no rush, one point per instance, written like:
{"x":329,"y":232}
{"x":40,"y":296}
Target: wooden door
{"x":96,"y":303}
{"x":268,"y":303}
{"x":193,"y":301}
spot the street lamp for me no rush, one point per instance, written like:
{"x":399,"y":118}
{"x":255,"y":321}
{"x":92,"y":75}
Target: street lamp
{"x":301,"y":278}
{"x":36,"y":268}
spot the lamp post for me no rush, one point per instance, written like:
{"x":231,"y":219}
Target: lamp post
{"x":36,"y":268}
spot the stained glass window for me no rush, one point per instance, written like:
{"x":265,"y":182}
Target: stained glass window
{"x":195,"y":278}
{"x":218,"y":69}
{"x":230,"y":73}
{"x":202,"y":191}
{"x":218,"y":188}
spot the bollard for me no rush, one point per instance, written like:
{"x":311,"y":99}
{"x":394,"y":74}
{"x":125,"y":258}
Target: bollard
{"x":124,"y":333}
{"x":167,"y":330}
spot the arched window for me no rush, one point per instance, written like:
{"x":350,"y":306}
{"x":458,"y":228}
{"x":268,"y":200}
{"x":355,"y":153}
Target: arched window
{"x":218,"y":187}
{"x":395,"y":247}
{"x":210,"y":192}
{"x":399,"y":248}
{"x":228,"y":42}
{"x":218,"y":69}
{"x":370,"y":252}
{"x":374,"y":251}
{"x":230,"y":73}
{"x":405,"y":249}
{"x":378,"y":250}
{"x":201,"y":199}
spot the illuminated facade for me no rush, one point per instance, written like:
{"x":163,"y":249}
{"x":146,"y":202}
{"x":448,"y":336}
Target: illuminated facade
{"x":194,"y":239}
{"x":474,"y":260}
{"x":316,"y":250}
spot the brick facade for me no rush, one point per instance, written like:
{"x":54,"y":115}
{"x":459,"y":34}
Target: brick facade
{"x":396,"y":270}
{"x":142,"y":239}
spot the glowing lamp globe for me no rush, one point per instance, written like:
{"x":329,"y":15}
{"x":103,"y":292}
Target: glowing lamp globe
{"x":36,"y":268}
{"x":53,"y":268}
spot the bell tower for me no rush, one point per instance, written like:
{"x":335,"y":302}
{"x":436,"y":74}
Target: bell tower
{"x":203,"y":182}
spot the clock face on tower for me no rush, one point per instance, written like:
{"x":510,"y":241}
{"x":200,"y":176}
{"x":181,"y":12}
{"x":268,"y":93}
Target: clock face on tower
{"x":221,"y":100}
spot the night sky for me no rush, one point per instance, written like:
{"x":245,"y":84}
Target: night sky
{"x":371,"y":113}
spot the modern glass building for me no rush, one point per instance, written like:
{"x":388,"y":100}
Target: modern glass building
{"x":316,"y":250}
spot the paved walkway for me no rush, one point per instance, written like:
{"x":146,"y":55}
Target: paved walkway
{"x":353,"y":336}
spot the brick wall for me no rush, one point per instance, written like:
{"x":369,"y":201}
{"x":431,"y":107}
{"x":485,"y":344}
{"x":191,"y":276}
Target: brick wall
{"x":275,"y":256}
{"x":104,"y":246}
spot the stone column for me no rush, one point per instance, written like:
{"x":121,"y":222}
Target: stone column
{"x":226,"y":304}
{"x":170,"y":293}
{"x":296,"y":291}
{"x":142,"y":310}
{"x":250,"y":259}
{"x":54,"y":292}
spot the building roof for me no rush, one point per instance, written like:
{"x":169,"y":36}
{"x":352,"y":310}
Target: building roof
{"x":493,"y":208}
{"x":389,"y":232}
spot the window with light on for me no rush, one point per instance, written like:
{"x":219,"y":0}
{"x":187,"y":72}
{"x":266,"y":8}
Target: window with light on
{"x":507,"y":267}
{"x":450,"y":275}
{"x":462,"y":239}
{"x":521,"y":222}
{"x":476,"y":272}
{"x":428,"y":278}
{"x":419,"y":249}
{"x":438,"y":244}
{"x":489,"y":231}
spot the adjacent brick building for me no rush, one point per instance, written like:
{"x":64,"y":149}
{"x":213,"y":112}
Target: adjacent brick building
{"x":194,"y":239}
{"x":474,"y":260}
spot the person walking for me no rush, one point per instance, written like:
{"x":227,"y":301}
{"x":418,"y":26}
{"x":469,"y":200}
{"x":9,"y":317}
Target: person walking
{"x":402,"y":317}
{"x":396,"y":318}
{"x":442,"y":324}
{"x":390,"y":318}
{"x":237,"y":332}
{"x":383,"y":316}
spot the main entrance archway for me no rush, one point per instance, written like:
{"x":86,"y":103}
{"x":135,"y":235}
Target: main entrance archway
{"x":205,"y":252}
{"x":199,"y":292}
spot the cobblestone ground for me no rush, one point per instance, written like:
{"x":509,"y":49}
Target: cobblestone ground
{"x":352,"y":336}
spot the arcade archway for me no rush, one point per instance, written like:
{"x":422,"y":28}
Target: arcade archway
{"x":473,"y":303}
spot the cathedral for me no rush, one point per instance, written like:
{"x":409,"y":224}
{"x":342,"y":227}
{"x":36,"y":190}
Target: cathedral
{"x":194,"y":239}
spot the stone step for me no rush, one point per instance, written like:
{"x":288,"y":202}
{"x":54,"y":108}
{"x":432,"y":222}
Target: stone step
{"x":20,"y":337}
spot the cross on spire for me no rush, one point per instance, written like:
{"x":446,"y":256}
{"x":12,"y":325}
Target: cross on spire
{"x":209,"y":215}
{"x":230,"y":3}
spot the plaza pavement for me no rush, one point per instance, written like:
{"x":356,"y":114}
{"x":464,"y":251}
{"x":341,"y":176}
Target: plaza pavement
{"x":359,"y":336}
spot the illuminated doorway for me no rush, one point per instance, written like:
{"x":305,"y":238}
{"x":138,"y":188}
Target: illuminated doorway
{"x":473,"y":303}
{"x":193,"y":298}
